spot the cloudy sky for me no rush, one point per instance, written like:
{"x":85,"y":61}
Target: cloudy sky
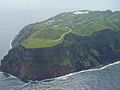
{"x":61,"y":4}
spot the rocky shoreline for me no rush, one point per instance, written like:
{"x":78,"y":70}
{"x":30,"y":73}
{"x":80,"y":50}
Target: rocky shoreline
{"x":84,"y":52}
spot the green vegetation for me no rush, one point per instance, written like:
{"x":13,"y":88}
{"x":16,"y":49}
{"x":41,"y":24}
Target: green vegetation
{"x":45,"y":38}
{"x":85,"y":41}
{"x":66,"y":63}
{"x":52,"y":31}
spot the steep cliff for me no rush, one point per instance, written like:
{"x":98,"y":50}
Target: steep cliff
{"x":37,"y":56}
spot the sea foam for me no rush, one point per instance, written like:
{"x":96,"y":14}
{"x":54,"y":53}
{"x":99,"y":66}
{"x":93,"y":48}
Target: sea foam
{"x":89,"y":70}
{"x":68,"y":75}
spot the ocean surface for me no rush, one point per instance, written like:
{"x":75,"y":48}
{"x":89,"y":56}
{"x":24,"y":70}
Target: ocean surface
{"x":106,"y":78}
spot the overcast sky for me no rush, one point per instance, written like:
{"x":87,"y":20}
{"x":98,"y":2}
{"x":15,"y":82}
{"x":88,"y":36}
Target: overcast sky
{"x":61,"y":4}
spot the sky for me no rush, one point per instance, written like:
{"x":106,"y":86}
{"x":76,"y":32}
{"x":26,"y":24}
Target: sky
{"x":61,"y":4}
{"x":15,"y":14}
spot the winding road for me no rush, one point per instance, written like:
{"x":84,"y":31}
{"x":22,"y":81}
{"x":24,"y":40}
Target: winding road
{"x":61,"y":36}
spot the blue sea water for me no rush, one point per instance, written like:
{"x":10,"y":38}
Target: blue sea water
{"x":107,"y":78}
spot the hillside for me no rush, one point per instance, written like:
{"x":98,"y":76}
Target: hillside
{"x":66,"y":43}
{"x":48,"y":33}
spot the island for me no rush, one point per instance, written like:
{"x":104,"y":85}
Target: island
{"x":63,"y":44}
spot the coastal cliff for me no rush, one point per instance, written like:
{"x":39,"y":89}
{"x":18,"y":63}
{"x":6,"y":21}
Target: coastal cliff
{"x":37,"y":56}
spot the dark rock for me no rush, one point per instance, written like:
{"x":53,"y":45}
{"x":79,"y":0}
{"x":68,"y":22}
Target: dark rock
{"x":75,"y":53}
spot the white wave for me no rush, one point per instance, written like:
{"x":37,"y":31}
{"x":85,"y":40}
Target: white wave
{"x":8,"y":75}
{"x":10,"y":44}
{"x":11,"y":76}
{"x":10,"y":47}
{"x":68,"y":75}
{"x":90,"y":70}
{"x":1,"y":72}
{"x":64,"y":77}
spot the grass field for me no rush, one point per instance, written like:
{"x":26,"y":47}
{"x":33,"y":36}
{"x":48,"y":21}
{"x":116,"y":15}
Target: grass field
{"x":51,"y":34}
{"x":46,"y":38}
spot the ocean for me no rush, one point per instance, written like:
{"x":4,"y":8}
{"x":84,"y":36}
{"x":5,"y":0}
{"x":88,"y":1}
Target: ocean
{"x":106,"y":78}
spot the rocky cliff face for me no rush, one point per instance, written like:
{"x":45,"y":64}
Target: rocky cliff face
{"x":75,"y":53}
